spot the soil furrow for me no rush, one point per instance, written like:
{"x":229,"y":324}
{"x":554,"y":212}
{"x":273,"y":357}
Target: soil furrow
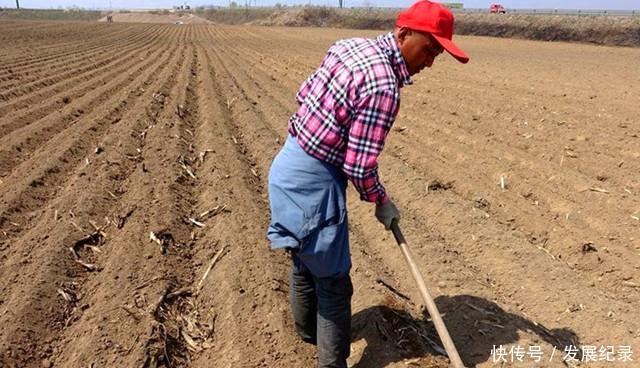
{"x":520,"y":203}
{"x":619,"y":308}
{"x":36,"y":184}
{"x":538,"y":235}
{"x":31,"y":107}
{"x":259,"y":288}
{"x":93,"y":204}
{"x":69,"y":48}
{"x":33,"y":79}
{"x":76,"y":65}
{"x":19,"y":145}
{"x":139,"y":305}
{"x":75,"y":52}
{"x":368,"y":274}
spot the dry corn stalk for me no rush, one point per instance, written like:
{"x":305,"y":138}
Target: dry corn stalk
{"x":191,"y":345}
{"x":88,"y":266}
{"x":202,"y":155}
{"x":181,"y":111}
{"x":164,"y":239}
{"x":68,"y":296}
{"x":185,"y":167}
{"x":206,"y":273}
{"x":213,"y":212}
{"x":230,"y":102}
{"x":599,"y":190}
{"x":195,"y":222}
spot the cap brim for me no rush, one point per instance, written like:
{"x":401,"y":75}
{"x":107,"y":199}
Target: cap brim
{"x":452,"y":49}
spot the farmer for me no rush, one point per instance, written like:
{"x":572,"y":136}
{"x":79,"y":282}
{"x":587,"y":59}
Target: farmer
{"x":346,"y":108}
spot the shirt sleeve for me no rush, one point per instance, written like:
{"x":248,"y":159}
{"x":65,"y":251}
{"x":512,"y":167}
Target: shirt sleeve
{"x":373,"y":117}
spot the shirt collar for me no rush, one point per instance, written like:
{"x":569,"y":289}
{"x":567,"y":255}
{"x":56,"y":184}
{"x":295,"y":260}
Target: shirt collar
{"x":389,"y":45}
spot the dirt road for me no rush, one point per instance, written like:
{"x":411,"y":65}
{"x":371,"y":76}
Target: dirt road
{"x":134,"y":156}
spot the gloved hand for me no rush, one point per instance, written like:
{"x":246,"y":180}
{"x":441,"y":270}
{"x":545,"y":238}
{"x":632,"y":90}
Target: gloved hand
{"x":386,"y":212}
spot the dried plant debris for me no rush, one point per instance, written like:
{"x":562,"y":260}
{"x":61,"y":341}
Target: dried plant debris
{"x":588,"y":248}
{"x":230,"y":102}
{"x":599,"y":190}
{"x":74,"y":253}
{"x":67,"y":295}
{"x":133,"y":312}
{"x":209,"y":267}
{"x":181,"y":110}
{"x":436,"y":185}
{"x":120,"y":220}
{"x":91,"y":242}
{"x":178,"y":294}
{"x":179,"y":331}
{"x":190,"y":220}
{"x":203,"y":154}
{"x":158,"y":347}
{"x":163,"y":238}
{"x":97,"y":238}
{"x":159,"y":97}
{"x":89,"y":266}
{"x":214,"y":212}
{"x":185,"y":166}
{"x":481,"y":203}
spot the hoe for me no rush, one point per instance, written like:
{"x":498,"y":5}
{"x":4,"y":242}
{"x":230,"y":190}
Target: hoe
{"x":454,"y":357}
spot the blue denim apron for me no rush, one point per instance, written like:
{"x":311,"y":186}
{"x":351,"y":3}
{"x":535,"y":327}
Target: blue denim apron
{"x":308,"y":210}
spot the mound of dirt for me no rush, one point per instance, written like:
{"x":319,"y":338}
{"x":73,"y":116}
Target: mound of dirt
{"x":609,"y":30}
{"x":300,"y":17}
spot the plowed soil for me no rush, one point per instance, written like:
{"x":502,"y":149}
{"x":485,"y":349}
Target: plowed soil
{"x":147,"y":17}
{"x":133,"y":203}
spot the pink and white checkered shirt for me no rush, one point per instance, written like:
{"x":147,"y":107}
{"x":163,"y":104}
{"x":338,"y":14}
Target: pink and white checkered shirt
{"x":348,"y":106}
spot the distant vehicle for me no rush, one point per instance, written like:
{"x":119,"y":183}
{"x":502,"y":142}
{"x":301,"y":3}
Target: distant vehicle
{"x":497,"y":9}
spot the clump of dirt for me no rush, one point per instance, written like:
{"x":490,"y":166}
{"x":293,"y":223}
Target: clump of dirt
{"x":438,"y":185}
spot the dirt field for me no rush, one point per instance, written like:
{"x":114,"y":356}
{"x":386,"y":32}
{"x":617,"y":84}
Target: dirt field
{"x":112,"y":132}
{"x":145,"y":17}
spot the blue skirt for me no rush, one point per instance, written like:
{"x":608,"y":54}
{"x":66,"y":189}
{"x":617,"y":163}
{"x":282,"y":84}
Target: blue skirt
{"x":308,"y":210}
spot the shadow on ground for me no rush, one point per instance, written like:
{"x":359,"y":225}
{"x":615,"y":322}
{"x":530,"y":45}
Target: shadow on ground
{"x":475,"y":325}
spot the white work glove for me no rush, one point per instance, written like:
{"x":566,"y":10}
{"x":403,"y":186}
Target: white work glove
{"x":386,"y":213}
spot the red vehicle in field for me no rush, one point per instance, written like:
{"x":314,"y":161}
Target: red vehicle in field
{"x":497,"y":9}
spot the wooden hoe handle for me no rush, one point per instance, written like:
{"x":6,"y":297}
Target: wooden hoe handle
{"x":454,"y":357}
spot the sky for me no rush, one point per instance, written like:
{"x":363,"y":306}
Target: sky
{"x":521,"y":4}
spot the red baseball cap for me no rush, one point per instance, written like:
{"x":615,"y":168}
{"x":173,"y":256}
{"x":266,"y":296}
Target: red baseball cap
{"x":434,"y":18}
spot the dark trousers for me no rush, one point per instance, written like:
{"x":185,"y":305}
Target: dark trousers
{"x":322,"y":313}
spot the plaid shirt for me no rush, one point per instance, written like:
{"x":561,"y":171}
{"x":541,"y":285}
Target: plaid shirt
{"x":347,"y":107}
